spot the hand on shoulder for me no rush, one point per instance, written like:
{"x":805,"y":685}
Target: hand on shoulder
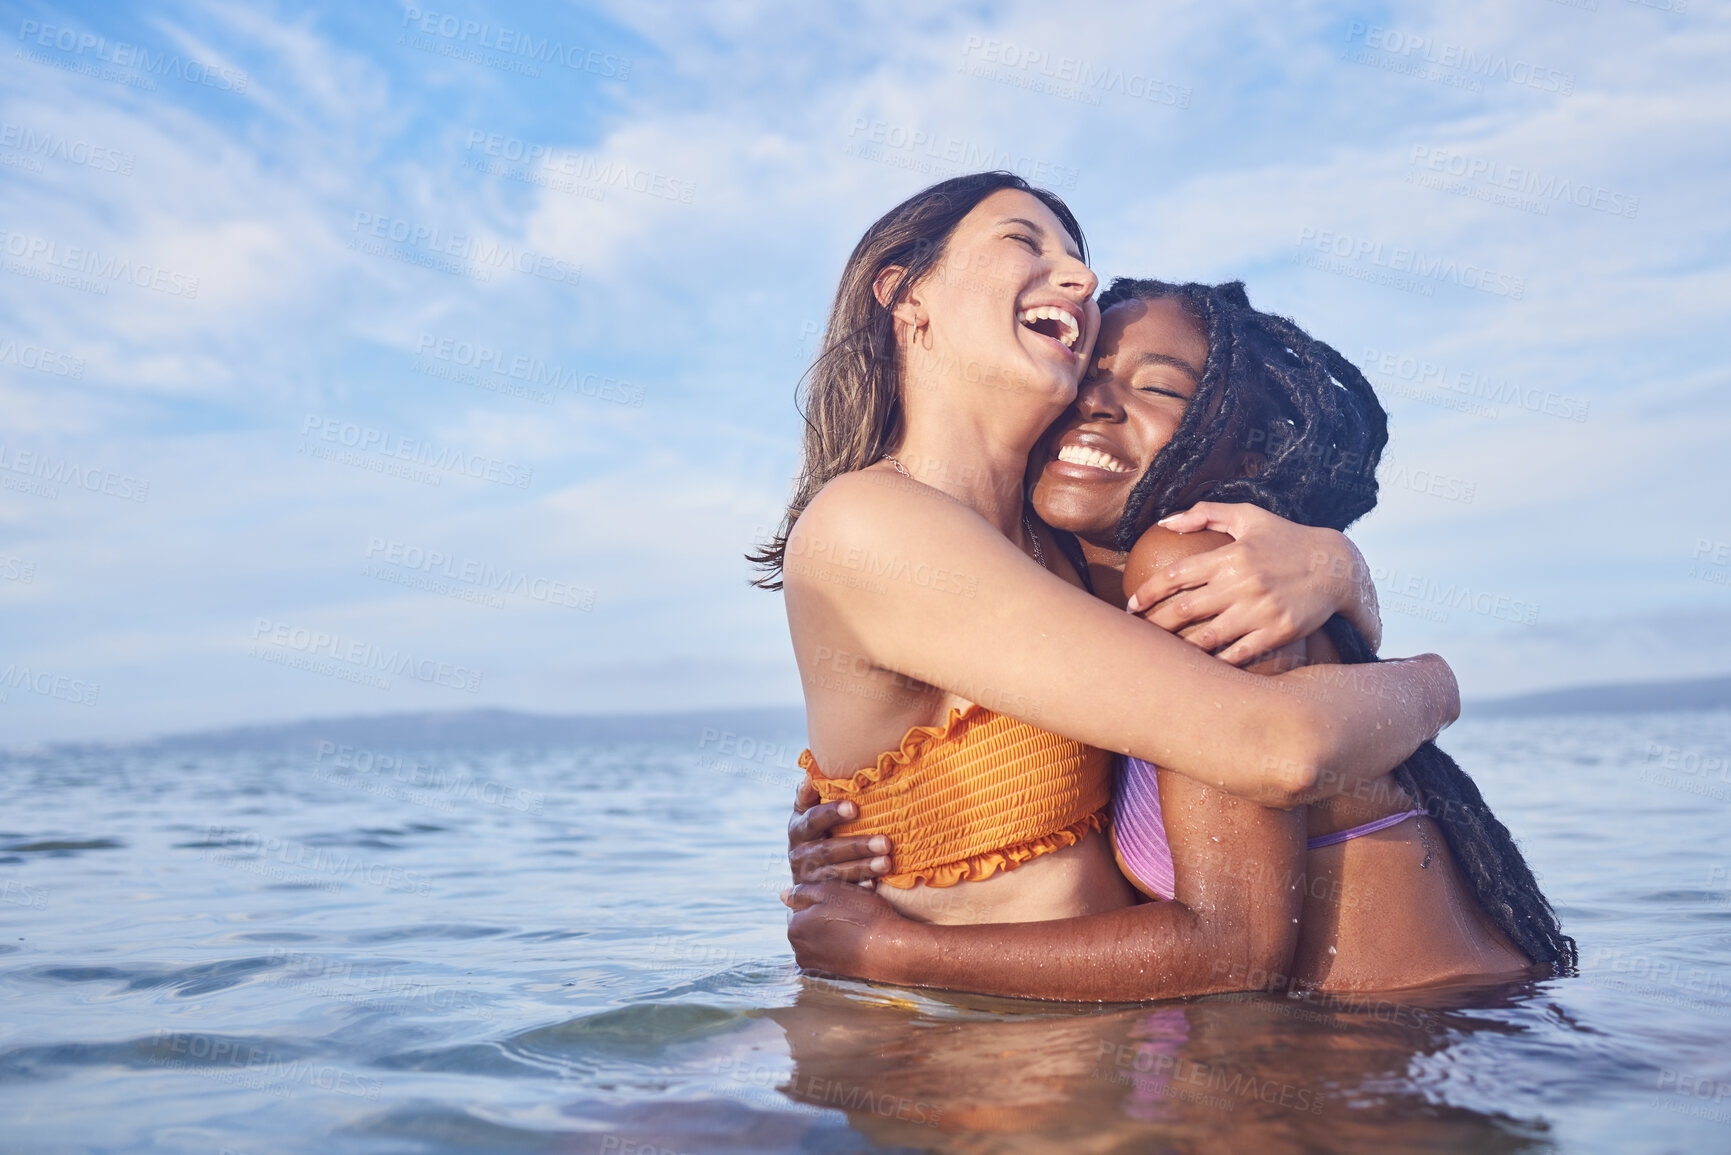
{"x":1159,"y":546}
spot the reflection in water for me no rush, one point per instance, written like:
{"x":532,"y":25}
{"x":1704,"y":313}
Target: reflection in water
{"x":1237,"y":1073}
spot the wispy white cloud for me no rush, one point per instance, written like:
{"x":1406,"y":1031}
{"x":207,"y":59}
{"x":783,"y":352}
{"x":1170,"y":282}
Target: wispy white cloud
{"x":710,"y":199}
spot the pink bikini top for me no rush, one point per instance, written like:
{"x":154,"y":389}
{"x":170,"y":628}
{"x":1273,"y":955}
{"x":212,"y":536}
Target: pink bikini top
{"x":1139,"y":831}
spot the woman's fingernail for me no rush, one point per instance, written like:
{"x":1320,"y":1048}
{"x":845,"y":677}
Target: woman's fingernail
{"x":879,"y":844}
{"x":848,"y":810}
{"x":785,"y":893}
{"x":1132,"y":605}
{"x":880,"y":865}
{"x":1169,"y":517}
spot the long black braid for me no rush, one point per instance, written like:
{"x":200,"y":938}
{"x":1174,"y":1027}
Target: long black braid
{"x":1283,"y":421}
{"x":1498,"y":873}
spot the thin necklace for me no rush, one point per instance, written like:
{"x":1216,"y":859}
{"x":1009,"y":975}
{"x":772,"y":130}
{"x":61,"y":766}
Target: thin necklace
{"x":1027,"y":526}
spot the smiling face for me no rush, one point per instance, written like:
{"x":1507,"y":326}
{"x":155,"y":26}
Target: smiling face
{"x":1010,"y":304}
{"x":1146,"y":370}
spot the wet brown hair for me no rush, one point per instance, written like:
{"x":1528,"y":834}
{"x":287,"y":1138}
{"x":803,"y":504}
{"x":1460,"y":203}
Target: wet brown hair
{"x":852,"y":392}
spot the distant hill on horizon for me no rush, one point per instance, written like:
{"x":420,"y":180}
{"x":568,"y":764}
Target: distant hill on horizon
{"x":498,"y":727}
{"x":1615,"y":698}
{"x":481,"y":728}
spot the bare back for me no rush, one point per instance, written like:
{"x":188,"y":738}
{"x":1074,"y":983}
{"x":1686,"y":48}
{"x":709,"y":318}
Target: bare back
{"x":1383,"y":911}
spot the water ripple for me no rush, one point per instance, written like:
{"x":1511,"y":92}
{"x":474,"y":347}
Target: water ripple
{"x":606,"y":971}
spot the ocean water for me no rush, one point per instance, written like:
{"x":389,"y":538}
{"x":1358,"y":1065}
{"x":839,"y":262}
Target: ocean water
{"x":580,"y":949}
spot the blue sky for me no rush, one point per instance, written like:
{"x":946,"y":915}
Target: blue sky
{"x":462,"y":340}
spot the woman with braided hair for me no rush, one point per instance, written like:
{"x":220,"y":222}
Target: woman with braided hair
{"x":1195,"y":397}
{"x":1315,"y":432}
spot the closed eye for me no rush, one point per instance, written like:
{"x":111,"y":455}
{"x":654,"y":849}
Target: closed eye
{"x":1033,"y":245}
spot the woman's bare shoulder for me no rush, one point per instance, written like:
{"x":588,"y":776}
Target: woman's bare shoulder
{"x":875,"y":517}
{"x":865,"y":490}
{"x":871,"y":503}
{"x":1159,"y":546}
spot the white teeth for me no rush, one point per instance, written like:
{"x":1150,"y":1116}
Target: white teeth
{"x":1072,"y":331}
{"x":1082,"y":455}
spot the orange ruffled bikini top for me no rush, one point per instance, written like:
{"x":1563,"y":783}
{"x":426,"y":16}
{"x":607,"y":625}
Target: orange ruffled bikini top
{"x":980,"y":794}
